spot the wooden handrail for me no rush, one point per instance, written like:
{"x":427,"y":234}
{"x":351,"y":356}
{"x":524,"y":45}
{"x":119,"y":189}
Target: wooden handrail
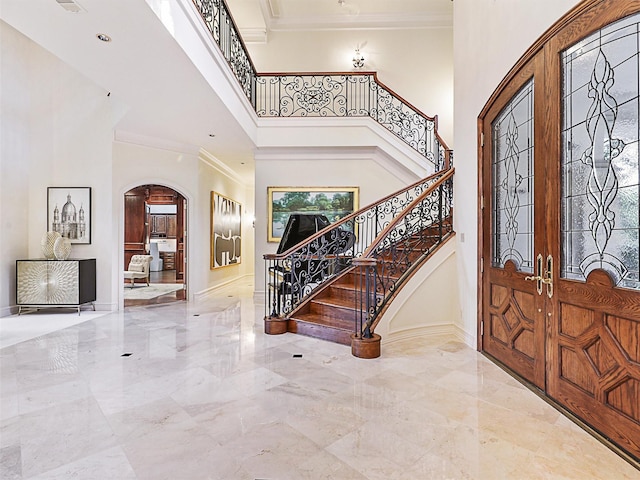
{"x":394,"y":223}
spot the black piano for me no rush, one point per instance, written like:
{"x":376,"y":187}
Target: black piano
{"x":308,"y":273}
{"x":301,"y":226}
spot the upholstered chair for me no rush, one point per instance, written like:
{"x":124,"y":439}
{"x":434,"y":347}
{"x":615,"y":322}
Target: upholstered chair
{"x":138,"y":268}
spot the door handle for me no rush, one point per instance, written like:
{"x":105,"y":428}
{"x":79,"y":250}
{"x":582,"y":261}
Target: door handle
{"x":537,"y":278}
{"x":548,"y":276}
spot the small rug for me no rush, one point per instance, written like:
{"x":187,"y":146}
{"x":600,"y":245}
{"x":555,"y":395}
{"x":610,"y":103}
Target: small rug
{"x":144,"y":292}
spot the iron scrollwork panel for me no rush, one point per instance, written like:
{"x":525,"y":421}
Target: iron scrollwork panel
{"x":219,"y":22}
{"x":409,"y":242}
{"x":406,"y":123}
{"x":314,"y":95}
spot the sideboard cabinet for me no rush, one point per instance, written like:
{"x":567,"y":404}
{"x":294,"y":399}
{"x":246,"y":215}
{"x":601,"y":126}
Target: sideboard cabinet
{"x":55,"y":283}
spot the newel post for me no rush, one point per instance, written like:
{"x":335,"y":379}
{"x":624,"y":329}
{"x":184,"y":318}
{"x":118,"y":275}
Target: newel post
{"x":274,"y":323}
{"x":364,"y":343}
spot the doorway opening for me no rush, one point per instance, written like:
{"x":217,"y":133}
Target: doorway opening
{"x":155,"y":233}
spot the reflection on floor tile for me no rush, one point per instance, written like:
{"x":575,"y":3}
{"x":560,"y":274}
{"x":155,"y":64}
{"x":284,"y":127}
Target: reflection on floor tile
{"x":19,"y":328}
{"x":204,"y":394}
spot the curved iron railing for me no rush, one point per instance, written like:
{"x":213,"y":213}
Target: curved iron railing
{"x":293,"y":275}
{"x":350,"y":94}
{"x":225,"y":33}
{"x":400,"y":249}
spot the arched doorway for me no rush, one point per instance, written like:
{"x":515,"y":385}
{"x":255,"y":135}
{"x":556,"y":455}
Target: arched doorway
{"x":154,"y":224}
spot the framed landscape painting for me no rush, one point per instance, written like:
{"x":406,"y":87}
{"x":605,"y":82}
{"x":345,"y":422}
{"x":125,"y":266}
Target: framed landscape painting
{"x":69,"y":213}
{"x":333,"y":202}
{"x":226,"y":231}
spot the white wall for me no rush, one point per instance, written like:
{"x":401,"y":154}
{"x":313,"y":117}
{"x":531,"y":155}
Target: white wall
{"x":56,"y":129}
{"x":14,"y":158}
{"x":56,"y":126}
{"x":313,"y":169}
{"x":427,"y":303}
{"x":194,"y":177}
{"x":415,"y":63}
{"x":210,"y":180}
{"x":489,"y":37}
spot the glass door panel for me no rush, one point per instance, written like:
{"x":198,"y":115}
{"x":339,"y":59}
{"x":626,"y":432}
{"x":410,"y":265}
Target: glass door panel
{"x":600,"y":214}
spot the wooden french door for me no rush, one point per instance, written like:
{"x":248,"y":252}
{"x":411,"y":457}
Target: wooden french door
{"x":560,"y":209}
{"x":513,"y":311}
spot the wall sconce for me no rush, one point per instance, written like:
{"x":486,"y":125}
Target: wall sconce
{"x":358,"y":59}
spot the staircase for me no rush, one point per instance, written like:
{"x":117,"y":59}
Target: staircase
{"x":329,"y":314}
{"x":337,"y":284}
{"x":341,"y":296}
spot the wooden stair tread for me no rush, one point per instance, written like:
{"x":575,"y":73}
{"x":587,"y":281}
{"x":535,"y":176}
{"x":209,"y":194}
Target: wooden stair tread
{"x":334,"y":301}
{"x":325,"y":321}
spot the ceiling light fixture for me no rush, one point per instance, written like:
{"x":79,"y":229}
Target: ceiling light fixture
{"x":358,"y":59}
{"x":103,"y":37}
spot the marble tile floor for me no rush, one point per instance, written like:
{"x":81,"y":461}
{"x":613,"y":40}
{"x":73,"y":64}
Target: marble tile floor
{"x":198,"y":391}
{"x":32,"y":324}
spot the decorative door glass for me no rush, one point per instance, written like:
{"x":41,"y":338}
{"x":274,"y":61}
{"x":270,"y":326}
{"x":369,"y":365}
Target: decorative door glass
{"x":600,"y":177}
{"x":512,"y":183}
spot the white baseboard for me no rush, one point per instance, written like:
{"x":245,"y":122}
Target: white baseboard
{"x":106,"y":307}
{"x":447,"y":329}
{"x":465,"y":337}
{"x":203,"y":294}
{"x":7,"y":311}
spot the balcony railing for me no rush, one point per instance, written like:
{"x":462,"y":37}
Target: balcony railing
{"x":351,"y":94}
{"x":225,"y":33}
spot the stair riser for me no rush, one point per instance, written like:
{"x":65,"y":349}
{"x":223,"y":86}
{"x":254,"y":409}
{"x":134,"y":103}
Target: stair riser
{"x":344,"y":294}
{"x":333,"y":312}
{"x":320,"y":331}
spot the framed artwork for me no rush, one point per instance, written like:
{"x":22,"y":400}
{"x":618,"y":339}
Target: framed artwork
{"x":69,"y":213}
{"x":226,"y":234}
{"x":333,"y":202}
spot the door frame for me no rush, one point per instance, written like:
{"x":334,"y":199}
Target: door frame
{"x":582,"y":21}
{"x":188,"y":220}
{"x":483,"y":163}
{"x":508,"y":276}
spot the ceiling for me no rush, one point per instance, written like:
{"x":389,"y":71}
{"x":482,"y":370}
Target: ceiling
{"x":300,"y":15}
{"x":162,"y":97}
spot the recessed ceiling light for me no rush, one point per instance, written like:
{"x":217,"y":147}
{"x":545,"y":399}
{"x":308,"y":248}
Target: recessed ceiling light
{"x":103,"y":37}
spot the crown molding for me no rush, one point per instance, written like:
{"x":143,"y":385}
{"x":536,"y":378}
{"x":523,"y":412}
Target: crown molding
{"x":211,"y":161}
{"x":361,"y":22}
{"x":154,"y":142}
{"x":381,"y":21}
{"x":253,"y":35}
